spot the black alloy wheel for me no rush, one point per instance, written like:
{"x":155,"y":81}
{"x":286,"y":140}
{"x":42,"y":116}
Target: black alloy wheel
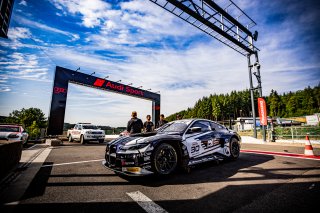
{"x":234,"y":148}
{"x":165,"y":159}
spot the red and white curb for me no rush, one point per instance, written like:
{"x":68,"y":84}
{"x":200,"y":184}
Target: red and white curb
{"x":282,"y":154}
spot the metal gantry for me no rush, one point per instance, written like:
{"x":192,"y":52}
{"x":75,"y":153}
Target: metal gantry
{"x":226,"y":22}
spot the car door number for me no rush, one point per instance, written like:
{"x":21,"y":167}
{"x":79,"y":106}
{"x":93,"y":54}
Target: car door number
{"x":195,"y":148}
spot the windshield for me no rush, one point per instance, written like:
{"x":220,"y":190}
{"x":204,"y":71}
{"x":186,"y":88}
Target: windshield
{"x":9,"y":129}
{"x":89,"y":127}
{"x":177,"y":126}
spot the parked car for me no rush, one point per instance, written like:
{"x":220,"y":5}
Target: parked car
{"x":181,"y":143}
{"x":13,"y":132}
{"x":85,"y":132}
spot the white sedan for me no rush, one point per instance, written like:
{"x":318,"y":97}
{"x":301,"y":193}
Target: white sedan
{"x":13,"y":132}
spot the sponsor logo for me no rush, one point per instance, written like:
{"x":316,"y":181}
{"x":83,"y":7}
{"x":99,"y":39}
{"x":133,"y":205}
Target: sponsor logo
{"x":210,"y":143}
{"x":119,"y":87}
{"x":262,"y":111}
{"x":58,"y":90}
{"x":99,"y":82}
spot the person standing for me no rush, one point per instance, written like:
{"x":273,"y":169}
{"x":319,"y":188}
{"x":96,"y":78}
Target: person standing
{"x":148,"y":125}
{"x":162,"y":121}
{"x":179,"y":117}
{"x":135,"y":124}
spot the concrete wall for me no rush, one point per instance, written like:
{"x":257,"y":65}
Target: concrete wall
{"x":10,"y":155}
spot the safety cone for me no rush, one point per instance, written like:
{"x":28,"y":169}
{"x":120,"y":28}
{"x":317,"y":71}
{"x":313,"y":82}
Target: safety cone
{"x":308,"y":150}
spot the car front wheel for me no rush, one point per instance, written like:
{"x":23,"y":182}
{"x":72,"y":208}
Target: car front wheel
{"x":70,"y":138}
{"x":165,"y":159}
{"x":82,"y":141}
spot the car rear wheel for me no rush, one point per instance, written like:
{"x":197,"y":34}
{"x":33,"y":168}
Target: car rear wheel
{"x":165,"y":159}
{"x":70,"y":138}
{"x":82,"y":141}
{"x":234,"y":149}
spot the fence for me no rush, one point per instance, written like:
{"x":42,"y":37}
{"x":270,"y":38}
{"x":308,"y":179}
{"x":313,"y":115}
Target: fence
{"x":297,"y":133}
{"x":287,"y":133}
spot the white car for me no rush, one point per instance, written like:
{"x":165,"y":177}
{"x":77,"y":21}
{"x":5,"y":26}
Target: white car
{"x":84,"y":132}
{"x":13,"y":132}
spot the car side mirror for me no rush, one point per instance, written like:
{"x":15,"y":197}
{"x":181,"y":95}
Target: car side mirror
{"x":193,"y":130}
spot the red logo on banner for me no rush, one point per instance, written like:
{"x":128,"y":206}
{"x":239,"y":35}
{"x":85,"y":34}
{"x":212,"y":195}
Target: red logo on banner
{"x":262,"y":108}
{"x":58,"y":90}
{"x":99,"y":82}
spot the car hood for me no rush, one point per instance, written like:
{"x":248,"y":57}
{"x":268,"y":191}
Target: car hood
{"x":145,"y":138}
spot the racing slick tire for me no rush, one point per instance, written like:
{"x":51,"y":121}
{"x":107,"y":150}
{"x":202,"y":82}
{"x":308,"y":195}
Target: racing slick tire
{"x":234,"y":149}
{"x":70,"y":138}
{"x":82,"y":141}
{"x":165,"y":159}
{"x":101,"y":140}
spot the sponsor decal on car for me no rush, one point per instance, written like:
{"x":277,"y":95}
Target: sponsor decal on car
{"x":131,"y":169}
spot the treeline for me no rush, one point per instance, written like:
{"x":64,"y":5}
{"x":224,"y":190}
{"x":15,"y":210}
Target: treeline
{"x":238,"y":104}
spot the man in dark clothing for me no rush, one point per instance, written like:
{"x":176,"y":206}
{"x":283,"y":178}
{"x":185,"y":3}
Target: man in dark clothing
{"x":162,"y":121}
{"x":148,"y":125}
{"x":135,"y":124}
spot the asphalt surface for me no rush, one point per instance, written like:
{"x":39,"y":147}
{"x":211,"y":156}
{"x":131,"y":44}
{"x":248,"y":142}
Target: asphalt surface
{"x":72,"y":179}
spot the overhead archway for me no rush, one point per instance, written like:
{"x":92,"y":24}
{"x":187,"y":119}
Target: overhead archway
{"x":60,"y":91}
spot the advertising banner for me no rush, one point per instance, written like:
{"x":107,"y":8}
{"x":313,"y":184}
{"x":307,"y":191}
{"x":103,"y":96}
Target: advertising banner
{"x":262,"y":108}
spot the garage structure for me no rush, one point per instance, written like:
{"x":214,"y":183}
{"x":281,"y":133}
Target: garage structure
{"x":65,"y":76}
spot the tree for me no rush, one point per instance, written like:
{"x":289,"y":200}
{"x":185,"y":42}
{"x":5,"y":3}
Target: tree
{"x":32,"y":119}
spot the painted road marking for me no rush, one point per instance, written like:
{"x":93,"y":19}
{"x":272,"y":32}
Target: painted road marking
{"x":146,"y":203}
{"x":282,"y":154}
{"x":77,"y":162}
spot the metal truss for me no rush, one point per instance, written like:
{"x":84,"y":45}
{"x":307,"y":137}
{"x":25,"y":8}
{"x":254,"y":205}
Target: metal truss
{"x":227,"y":23}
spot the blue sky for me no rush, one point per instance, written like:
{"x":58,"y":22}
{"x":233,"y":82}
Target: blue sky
{"x":140,"y":43}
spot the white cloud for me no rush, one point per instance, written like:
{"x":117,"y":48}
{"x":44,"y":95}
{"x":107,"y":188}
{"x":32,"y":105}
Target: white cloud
{"x":23,"y":2}
{"x":16,"y":33}
{"x":23,"y":66}
{"x":35,"y":24}
{"x":92,"y":11}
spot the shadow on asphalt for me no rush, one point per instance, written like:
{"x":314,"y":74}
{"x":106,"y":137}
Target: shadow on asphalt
{"x":250,"y":198}
{"x":276,"y":197}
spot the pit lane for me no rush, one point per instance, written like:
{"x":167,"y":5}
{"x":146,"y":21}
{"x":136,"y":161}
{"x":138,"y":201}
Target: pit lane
{"x":73,"y":179}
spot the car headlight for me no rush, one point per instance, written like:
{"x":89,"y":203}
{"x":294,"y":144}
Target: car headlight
{"x":13,"y":136}
{"x":88,"y":132}
{"x":135,"y":146}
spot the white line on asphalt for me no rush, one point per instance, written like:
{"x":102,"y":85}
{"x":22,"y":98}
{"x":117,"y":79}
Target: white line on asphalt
{"x":146,"y":203}
{"x":33,"y":146}
{"x":62,"y":164}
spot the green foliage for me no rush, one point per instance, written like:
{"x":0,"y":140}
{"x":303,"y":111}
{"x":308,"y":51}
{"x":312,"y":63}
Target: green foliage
{"x":32,"y":119}
{"x":238,"y":104}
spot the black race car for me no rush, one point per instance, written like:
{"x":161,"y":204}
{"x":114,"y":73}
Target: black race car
{"x":181,"y":143}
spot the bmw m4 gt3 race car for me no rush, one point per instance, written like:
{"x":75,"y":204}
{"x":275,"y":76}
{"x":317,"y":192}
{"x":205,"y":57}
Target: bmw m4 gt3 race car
{"x":181,"y":143}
